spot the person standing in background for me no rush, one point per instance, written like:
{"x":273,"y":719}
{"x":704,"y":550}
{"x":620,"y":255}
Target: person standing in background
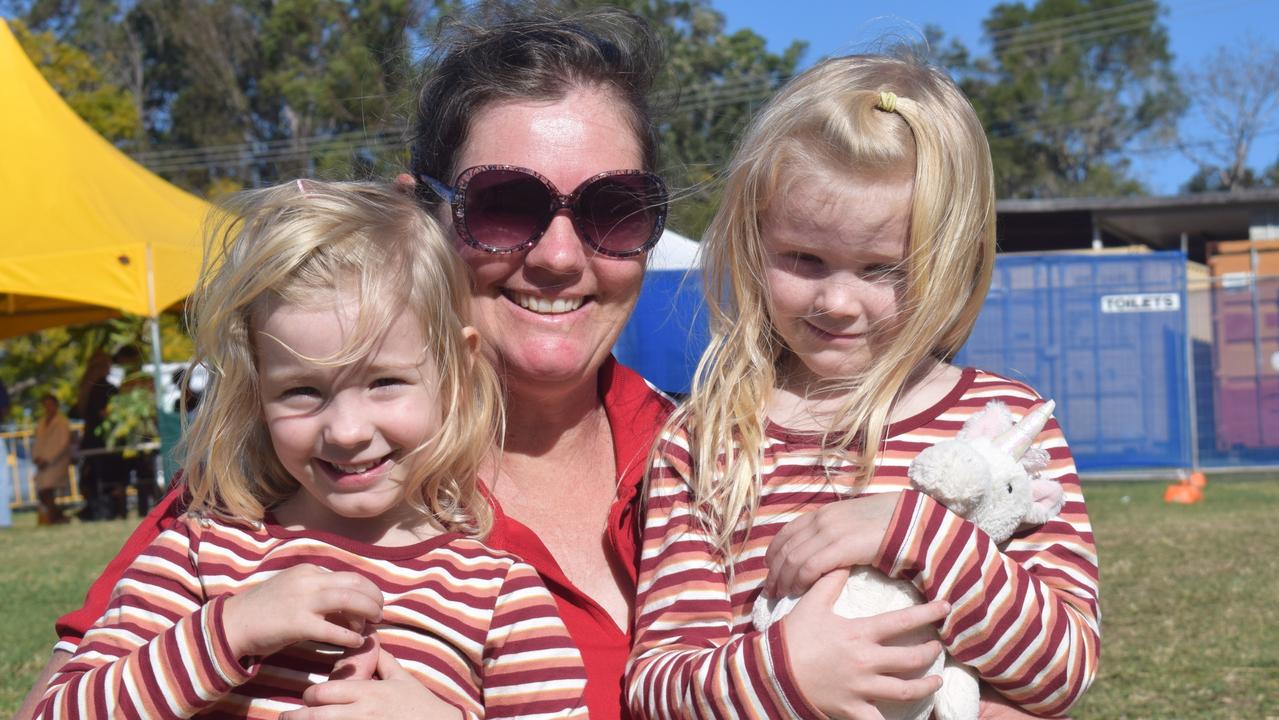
{"x":4,"y":404}
{"x":6,"y":476}
{"x":91,"y":407}
{"x":52,"y":455}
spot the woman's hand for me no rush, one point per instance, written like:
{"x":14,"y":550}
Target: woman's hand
{"x":305,"y":602}
{"x":394,"y":693}
{"x":844,"y":666}
{"x":838,"y":535}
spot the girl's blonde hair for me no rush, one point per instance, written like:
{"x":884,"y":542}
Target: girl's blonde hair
{"x":292,"y":243}
{"x":856,"y":115}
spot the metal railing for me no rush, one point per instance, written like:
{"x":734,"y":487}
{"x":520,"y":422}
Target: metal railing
{"x":15,"y":460}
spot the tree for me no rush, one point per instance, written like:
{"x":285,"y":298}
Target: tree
{"x":237,"y":92}
{"x":1069,"y":87}
{"x":1236,"y":93}
{"x":52,"y":361}
{"x":712,"y":84}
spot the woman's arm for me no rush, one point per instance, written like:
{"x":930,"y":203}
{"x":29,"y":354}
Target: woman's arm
{"x":56,"y":661}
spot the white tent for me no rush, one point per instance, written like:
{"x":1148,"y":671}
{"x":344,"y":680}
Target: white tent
{"x":673,"y":252}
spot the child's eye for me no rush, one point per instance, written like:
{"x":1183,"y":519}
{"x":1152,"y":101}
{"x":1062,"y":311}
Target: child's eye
{"x":801,"y":262}
{"x":884,"y":272}
{"x":300,"y":391}
{"x":387,"y":382}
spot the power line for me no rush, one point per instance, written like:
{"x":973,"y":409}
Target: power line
{"x":1078,"y":23}
{"x":702,"y":96}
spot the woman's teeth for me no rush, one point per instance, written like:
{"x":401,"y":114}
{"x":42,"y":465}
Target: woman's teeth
{"x":544,"y":306}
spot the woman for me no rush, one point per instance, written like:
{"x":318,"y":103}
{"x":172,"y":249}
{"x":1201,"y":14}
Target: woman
{"x":52,"y":456}
{"x":564,"y":99}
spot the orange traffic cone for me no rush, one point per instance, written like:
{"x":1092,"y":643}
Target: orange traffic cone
{"x":1198,"y":480}
{"x":1184,"y":492}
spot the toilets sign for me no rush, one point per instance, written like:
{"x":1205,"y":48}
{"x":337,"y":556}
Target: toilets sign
{"x":1142,"y":302}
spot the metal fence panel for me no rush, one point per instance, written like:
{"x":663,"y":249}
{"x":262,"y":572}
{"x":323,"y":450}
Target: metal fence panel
{"x":1237,"y":372}
{"x":1104,"y":336}
{"x":1149,"y":369}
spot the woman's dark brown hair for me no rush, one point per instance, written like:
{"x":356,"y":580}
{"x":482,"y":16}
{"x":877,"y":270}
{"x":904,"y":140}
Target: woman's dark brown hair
{"x":497,"y":55}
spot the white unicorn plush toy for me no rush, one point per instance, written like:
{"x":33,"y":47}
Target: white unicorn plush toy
{"x":988,"y":474}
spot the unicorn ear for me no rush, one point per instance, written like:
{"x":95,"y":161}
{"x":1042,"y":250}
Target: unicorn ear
{"x":988,"y":422}
{"x":1046,"y":500}
{"x":1035,"y":460}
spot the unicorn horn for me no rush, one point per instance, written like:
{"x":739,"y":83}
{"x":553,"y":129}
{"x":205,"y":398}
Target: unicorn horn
{"x":1017,"y":440}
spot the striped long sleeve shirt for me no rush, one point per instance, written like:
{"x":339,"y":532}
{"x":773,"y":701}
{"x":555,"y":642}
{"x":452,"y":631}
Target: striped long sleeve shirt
{"x":1025,"y":616}
{"x":476,"y":626}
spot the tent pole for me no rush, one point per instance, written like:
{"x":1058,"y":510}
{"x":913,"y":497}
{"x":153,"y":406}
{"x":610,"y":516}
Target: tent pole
{"x":156,"y":360}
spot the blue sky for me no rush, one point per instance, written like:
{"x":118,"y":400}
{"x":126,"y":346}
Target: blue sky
{"x":1196,"y":29}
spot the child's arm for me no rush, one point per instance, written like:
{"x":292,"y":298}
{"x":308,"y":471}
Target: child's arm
{"x":688,"y":662}
{"x":1025,"y":618}
{"x":72,"y":626}
{"x":157,"y":652}
{"x":531,"y":665}
{"x":166,"y":650}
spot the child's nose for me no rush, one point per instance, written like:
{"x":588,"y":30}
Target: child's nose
{"x":839,"y":297}
{"x":347,"y":425}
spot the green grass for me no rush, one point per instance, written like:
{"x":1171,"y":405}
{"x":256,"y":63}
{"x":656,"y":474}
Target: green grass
{"x":44,"y":572}
{"x":1190,"y":627}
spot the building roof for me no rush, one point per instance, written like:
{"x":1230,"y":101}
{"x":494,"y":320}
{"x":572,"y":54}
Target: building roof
{"x":1157,"y":222}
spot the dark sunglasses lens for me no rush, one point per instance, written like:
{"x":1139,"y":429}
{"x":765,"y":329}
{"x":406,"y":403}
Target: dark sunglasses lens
{"x":504,"y":208}
{"x":620,"y":213}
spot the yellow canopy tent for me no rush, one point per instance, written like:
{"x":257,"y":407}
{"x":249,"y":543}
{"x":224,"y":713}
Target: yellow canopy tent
{"x":85,"y":232}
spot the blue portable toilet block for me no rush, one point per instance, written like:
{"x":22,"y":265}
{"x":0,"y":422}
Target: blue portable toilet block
{"x":667,"y":331}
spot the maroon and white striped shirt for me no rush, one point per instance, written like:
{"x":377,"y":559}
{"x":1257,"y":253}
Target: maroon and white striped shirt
{"x":1025,"y":617}
{"x":476,"y":626}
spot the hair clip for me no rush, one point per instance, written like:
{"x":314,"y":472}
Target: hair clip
{"x":302,"y":188}
{"x":887,"y":101}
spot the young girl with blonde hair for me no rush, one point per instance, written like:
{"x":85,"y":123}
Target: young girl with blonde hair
{"x":335,"y":521}
{"x":846,"y":266}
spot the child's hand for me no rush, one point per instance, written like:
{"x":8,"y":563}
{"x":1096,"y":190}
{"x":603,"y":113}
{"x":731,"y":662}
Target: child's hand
{"x":843,"y":666}
{"x":394,"y":694}
{"x":994,"y":706}
{"x":305,"y":602}
{"x":836,"y":536}
{"x":360,"y":663}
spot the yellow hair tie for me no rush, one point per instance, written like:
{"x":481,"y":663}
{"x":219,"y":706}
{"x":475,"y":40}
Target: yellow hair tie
{"x":887,"y":101}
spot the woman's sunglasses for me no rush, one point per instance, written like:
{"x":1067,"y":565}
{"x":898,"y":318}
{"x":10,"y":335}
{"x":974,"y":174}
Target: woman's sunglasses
{"x":505,"y":209}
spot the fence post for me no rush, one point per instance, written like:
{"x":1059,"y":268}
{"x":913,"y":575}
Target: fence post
{"x":1192,"y":397}
{"x":1254,"y":264}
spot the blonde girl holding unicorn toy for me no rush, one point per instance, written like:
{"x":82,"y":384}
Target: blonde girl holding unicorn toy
{"x":846,"y":266}
{"x":331,"y":563}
